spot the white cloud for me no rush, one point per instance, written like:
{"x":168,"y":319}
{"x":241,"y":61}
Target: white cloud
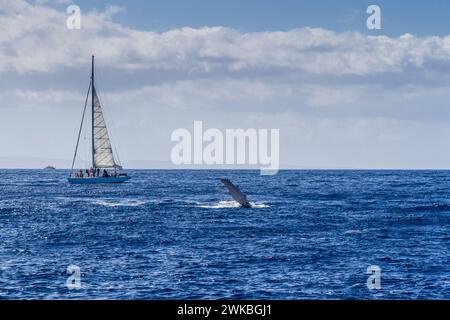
{"x":30,"y":98}
{"x":305,"y":70}
{"x":34,"y":39}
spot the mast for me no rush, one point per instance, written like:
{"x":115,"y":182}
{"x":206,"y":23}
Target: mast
{"x":93,"y":133}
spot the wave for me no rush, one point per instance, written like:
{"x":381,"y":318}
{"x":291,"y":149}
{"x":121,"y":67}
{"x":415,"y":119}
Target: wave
{"x":231,"y":204}
{"x":437,"y":207}
{"x":357,"y":232}
{"x":120,"y":203}
{"x":109,"y":202}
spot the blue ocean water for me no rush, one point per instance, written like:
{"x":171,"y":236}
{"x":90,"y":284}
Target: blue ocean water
{"x":178,"y":235}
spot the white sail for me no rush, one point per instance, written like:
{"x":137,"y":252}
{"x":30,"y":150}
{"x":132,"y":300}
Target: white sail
{"x":103,"y":153}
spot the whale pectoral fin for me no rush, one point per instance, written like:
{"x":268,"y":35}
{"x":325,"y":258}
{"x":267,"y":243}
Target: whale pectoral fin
{"x":237,"y":194}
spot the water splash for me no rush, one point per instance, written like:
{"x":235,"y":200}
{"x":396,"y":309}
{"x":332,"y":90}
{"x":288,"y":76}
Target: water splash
{"x":231,"y":204}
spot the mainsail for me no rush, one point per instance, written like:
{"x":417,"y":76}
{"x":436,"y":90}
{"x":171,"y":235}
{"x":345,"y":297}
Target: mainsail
{"x":103,"y":153}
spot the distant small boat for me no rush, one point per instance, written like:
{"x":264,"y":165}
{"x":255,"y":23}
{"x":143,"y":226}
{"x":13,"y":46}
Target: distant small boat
{"x":102,"y":153}
{"x":49,"y":168}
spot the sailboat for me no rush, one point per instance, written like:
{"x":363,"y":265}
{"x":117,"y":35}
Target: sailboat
{"x":105,"y":168}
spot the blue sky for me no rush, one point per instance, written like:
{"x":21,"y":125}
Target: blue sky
{"x":342,"y":96}
{"x":399,"y":17}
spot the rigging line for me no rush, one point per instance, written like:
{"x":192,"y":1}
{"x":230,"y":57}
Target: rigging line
{"x":81,"y":125}
{"x":119,"y":163}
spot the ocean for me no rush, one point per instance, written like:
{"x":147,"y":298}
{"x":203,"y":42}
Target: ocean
{"x":177,"y":234}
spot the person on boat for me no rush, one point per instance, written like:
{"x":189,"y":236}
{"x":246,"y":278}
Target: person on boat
{"x":105,"y":174}
{"x":98,"y":172}
{"x":80,"y":175}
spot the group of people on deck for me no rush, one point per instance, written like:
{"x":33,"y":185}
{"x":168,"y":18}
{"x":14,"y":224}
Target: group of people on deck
{"x":91,"y":173}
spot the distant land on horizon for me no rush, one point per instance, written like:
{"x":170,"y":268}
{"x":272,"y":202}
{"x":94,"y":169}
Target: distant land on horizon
{"x":41,"y":163}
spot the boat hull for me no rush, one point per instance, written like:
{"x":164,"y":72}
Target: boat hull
{"x":98,"y":180}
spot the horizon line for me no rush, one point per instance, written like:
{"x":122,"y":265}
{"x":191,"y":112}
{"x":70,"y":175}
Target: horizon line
{"x":246,"y":169}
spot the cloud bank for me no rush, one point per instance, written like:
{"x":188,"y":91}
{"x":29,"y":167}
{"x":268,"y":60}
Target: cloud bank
{"x":34,"y":38}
